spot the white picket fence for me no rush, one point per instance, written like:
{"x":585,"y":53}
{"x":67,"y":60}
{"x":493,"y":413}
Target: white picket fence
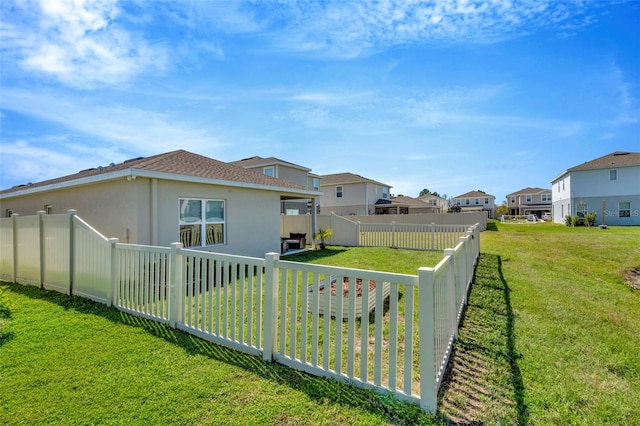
{"x":266,"y":307}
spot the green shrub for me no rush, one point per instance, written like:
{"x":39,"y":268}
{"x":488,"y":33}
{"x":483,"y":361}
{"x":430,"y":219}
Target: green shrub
{"x":567,"y":220}
{"x":590,"y":218}
{"x":576,"y":221}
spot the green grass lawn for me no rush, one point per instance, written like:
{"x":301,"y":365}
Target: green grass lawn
{"x":551,"y":335}
{"x":552,"y":332}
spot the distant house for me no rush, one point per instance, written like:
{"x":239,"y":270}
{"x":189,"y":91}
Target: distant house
{"x":608,"y":186}
{"x":350,"y":194}
{"x":442,"y":204}
{"x":410,"y":205}
{"x":173,"y":197}
{"x":291,"y":172}
{"x":529,"y":201}
{"x":474,"y":201}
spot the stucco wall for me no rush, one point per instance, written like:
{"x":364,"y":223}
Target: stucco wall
{"x":113,"y":208}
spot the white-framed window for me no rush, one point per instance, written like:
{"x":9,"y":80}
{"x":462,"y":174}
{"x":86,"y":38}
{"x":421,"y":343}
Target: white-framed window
{"x":563,"y":184}
{"x":613,"y":174}
{"x":376,"y":189}
{"x":477,"y":201}
{"x":433,"y":202}
{"x":48,"y":209}
{"x":385,"y":192}
{"x":316,"y":184}
{"x":513,"y":199}
{"x":466,"y":201}
{"x":546,"y":197}
{"x":486,"y":200}
{"x":582,"y":209}
{"x":624,"y":209}
{"x":528,"y":198}
{"x":269,"y":171}
{"x":8,"y":213}
{"x":293,"y":212}
{"x":338,"y":191}
{"x":201,"y":221}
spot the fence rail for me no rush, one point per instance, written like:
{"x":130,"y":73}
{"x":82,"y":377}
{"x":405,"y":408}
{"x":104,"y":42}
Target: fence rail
{"x":384,"y":331}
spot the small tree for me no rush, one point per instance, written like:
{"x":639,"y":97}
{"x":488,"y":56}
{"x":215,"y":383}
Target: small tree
{"x":322,"y":235}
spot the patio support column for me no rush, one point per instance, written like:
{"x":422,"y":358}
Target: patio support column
{"x":314,"y":223}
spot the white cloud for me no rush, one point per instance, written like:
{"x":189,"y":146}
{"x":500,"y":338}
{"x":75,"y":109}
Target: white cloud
{"x":129,"y":129}
{"x":79,"y":43}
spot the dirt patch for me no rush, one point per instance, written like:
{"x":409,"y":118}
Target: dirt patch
{"x":632,"y":277}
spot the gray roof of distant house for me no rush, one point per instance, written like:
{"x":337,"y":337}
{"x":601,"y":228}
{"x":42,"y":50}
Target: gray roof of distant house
{"x":477,"y":194}
{"x":613,"y":160}
{"x":347,"y":178}
{"x":528,"y":190}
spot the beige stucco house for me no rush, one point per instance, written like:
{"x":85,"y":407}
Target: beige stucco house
{"x":410,"y":205}
{"x":178,"y":196}
{"x":286,"y":170}
{"x":529,"y":201}
{"x":474,"y":201}
{"x":348,"y":194}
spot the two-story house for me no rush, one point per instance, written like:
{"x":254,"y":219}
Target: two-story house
{"x":285,"y":170}
{"x":351,"y":194}
{"x":440,"y":204}
{"x":608,"y":186}
{"x":529,"y":201}
{"x":474,"y":201}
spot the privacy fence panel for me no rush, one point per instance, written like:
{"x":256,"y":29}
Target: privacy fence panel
{"x":91,"y":263}
{"x":56,"y":253}
{"x":28,"y":249}
{"x":6,"y":249}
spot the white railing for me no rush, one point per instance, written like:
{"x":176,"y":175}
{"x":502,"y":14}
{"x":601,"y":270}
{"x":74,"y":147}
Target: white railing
{"x":384,"y":331}
{"x":406,"y":236}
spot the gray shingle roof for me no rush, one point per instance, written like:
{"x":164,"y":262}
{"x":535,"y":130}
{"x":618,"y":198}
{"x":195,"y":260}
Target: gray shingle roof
{"x":178,"y":162}
{"x":477,"y":194}
{"x":347,"y":178}
{"x":529,"y":190}
{"x":615,"y":159}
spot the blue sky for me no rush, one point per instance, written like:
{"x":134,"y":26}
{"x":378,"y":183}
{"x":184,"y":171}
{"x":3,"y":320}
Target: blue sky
{"x":452,"y":96}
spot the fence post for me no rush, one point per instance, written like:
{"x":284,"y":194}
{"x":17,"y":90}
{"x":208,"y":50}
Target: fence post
{"x":14,"y":222}
{"x":393,"y":234}
{"x":176,"y":286}
{"x":426,"y":321}
{"x":433,"y":236}
{"x":452,"y":311}
{"x":113,"y":294}
{"x":358,"y":244}
{"x":270,"y":305}
{"x":41,"y":214}
{"x":463,"y":286}
{"x":71,"y":213}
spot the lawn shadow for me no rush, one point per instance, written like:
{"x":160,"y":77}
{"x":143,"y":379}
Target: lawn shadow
{"x":320,"y":389}
{"x":483,"y":383}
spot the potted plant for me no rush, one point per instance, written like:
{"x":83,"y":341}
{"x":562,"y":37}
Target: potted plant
{"x":322,"y":235}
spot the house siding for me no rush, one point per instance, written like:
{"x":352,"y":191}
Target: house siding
{"x":575,"y":189}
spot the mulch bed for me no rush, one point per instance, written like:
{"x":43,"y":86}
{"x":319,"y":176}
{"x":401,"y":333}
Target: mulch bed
{"x":345,"y":287}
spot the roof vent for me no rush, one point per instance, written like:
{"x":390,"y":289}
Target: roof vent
{"x":112,"y":164}
{"x":615,"y":154}
{"x":132,"y":160}
{"x":87,"y":170}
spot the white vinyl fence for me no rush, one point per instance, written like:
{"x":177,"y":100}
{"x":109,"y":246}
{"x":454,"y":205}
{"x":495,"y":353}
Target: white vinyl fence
{"x":388,"y":332}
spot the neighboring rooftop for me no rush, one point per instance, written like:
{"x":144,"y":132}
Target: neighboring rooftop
{"x":472,"y":194}
{"x":616,"y":159}
{"x":529,"y":191}
{"x":347,"y":178}
{"x":269,"y":161}
{"x":178,"y":162}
